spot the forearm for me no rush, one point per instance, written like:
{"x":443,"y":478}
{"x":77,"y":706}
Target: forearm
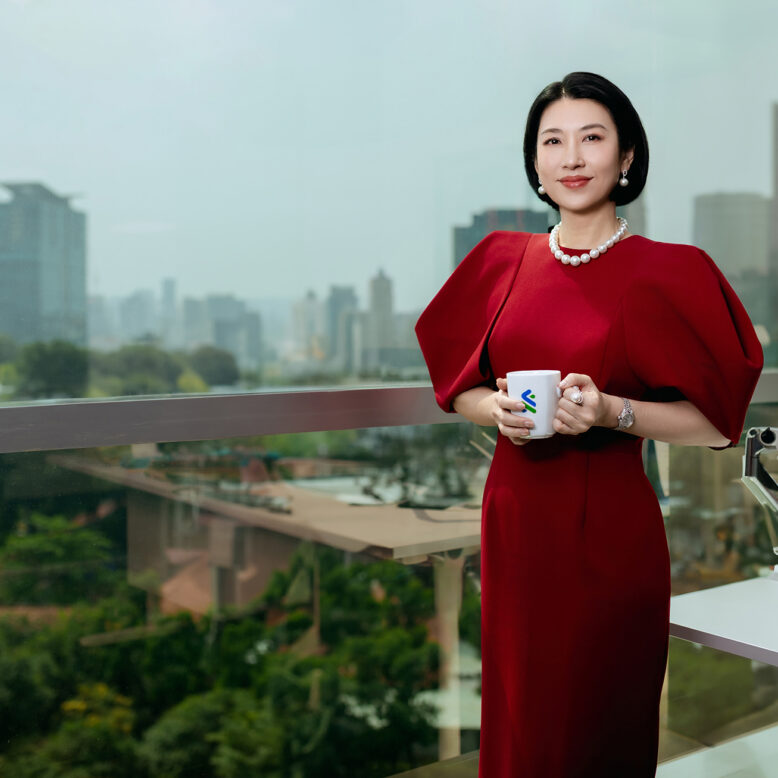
{"x":677,"y":422}
{"x":475,"y":404}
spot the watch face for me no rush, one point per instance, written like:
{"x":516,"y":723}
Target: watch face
{"x":627,"y":419}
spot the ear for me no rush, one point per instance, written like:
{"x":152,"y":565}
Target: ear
{"x":626,"y":159}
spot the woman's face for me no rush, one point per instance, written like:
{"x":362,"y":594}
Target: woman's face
{"x":578,"y":158}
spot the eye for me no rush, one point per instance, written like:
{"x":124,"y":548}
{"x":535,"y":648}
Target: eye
{"x":593,"y":137}
{"x":550,"y":141}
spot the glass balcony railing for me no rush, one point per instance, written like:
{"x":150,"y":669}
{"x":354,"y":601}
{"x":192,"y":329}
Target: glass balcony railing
{"x":303,"y":602}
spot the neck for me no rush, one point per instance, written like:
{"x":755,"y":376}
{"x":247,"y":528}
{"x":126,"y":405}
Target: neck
{"x":586,"y":230}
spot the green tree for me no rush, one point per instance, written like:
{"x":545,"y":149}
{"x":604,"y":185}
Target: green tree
{"x":216,"y":366}
{"x":48,"y":561}
{"x":178,"y":744}
{"x":191,"y":383}
{"x":80,"y":750}
{"x":55,"y":369}
{"x":97,"y":704}
{"x":27,"y":698}
{"x":141,"y":368}
{"x":250,"y":741}
{"x":9,"y":348}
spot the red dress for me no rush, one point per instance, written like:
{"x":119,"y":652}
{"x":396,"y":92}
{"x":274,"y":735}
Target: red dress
{"x":574,"y":561}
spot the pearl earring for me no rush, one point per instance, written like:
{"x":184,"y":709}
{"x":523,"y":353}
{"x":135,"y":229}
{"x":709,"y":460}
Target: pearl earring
{"x":623,"y":181}
{"x":541,"y":190}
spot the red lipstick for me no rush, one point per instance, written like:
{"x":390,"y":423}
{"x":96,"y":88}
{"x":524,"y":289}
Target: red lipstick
{"x":574,"y":182}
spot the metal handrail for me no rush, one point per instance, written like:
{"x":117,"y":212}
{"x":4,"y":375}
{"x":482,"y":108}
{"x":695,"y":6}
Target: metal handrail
{"x":53,"y":425}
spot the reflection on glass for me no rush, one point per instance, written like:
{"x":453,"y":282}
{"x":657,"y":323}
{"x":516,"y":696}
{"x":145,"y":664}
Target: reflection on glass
{"x":299,"y":602}
{"x":270,"y":606}
{"x":716,"y":530}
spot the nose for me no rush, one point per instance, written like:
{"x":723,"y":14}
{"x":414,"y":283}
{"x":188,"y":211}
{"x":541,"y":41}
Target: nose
{"x":573,"y":159}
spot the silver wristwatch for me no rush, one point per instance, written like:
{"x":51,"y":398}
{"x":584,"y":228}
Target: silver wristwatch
{"x":627,"y":416}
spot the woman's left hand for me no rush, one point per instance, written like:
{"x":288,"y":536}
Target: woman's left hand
{"x":575,"y":418}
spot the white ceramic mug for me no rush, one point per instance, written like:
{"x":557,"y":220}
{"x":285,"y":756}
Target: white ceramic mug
{"x":539,"y":392}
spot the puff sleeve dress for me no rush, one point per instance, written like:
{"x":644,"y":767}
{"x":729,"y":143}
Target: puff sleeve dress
{"x":575,"y":578}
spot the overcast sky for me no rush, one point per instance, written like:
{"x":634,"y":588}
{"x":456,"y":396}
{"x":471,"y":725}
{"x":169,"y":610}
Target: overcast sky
{"x":265,"y":148}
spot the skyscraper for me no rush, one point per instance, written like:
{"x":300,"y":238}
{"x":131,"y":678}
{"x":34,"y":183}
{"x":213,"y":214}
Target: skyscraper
{"x":734,"y":228}
{"x":379,"y":322}
{"x":168,"y":314}
{"x":235,"y":329}
{"x":138,"y":316}
{"x":520,"y":220}
{"x":341,"y":304}
{"x":42,"y":266}
{"x":308,"y":326}
{"x":381,"y":310}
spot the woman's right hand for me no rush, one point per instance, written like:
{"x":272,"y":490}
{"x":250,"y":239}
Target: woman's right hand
{"x":515,"y":428}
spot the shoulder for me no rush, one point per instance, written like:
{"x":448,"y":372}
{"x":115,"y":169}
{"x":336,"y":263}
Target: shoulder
{"x":498,"y":253}
{"x":501,"y":242}
{"x":657,"y":263}
{"x":483,"y":278}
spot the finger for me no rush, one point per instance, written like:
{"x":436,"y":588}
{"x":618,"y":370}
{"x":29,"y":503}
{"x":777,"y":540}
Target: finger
{"x":574,"y":415}
{"x":509,"y":403}
{"x":512,"y":432}
{"x":502,"y":383}
{"x":564,"y":429}
{"x":580,"y":380}
{"x":509,"y":419}
{"x":520,"y":441}
{"x":570,"y":422}
{"x":566,"y":416}
{"x":566,"y":404}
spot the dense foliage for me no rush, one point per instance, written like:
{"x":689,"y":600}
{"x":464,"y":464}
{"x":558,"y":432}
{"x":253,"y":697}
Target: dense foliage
{"x":58,"y":369}
{"x":233,"y":698}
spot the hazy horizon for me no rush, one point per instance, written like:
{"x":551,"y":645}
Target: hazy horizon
{"x":263,"y":149}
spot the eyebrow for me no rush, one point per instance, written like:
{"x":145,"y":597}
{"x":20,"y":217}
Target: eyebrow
{"x":585,"y":127}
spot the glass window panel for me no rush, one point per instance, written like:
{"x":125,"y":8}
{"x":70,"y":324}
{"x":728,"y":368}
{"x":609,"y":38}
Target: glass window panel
{"x":295,"y":602}
{"x":309,"y":598}
{"x":717,"y":532}
{"x":243,"y":195}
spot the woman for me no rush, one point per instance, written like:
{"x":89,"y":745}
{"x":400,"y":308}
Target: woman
{"x":652,"y":343}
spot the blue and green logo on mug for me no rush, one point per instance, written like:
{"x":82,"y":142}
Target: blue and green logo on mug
{"x":538,"y":390}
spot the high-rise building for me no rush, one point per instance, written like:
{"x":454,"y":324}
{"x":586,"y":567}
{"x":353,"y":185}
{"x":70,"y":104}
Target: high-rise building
{"x":734,"y":228}
{"x":196,"y":323}
{"x":168,"y":314}
{"x":102,"y":320}
{"x":378,"y":331}
{"x":518,"y":220}
{"x":235,"y":329}
{"x":138,"y":316}
{"x":341,"y":304}
{"x":381,"y":310}
{"x":308,"y":327}
{"x":42,"y":266}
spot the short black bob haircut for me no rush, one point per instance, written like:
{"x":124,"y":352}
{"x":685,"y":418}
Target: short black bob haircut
{"x":590,"y":86}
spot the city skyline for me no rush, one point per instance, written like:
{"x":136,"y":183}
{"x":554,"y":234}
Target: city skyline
{"x":280,"y":147}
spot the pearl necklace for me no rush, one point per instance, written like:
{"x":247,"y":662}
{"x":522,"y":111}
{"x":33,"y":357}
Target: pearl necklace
{"x":574,"y":259}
